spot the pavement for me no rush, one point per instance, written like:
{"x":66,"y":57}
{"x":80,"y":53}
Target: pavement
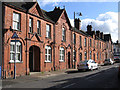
{"x":34,"y":76}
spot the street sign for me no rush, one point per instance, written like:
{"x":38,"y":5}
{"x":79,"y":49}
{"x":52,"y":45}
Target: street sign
{"x":15,"y":36}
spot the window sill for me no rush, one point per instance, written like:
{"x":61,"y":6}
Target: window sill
{"x":48,"y":62}
{"x":30,"y":33}
{"x":17,"y":61}
{"x":61,"y":61}
{"x":63,"y":40}
{"x":48,"y":37}
{"x":17,"y":30}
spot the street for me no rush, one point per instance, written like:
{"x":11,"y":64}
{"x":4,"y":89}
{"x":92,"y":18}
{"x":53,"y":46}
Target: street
{"x":104,"y":77}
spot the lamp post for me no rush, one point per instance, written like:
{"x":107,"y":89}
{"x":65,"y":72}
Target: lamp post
{"x":15,"y":36}
{"x":74,"y":52}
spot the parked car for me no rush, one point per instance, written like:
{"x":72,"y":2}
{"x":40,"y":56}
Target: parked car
{"x":108,"y":61}
{"x":119,"y":72}
{"x":87,"y":65}
{"x":117,"y":58}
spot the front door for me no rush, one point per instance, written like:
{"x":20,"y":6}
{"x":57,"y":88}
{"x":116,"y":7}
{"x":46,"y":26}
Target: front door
{"x":34,"y":59}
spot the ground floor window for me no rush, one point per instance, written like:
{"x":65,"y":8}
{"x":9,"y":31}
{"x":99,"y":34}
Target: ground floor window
{"x":80,"y":56}
{"x":62,"y":54}
{"x":48,"y":54}
{"x":74,"y":55}
{"x":18,"y":49}
{"x":85,"y":55}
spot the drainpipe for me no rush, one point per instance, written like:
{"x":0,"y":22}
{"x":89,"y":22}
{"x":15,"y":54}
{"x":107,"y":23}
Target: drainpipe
{"x":54,"y":47}
{"x":26,"y":41}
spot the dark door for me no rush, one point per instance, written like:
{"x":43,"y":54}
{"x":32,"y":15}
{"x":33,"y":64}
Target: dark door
{"x":68,"y":59}
{"x":34,"y":59}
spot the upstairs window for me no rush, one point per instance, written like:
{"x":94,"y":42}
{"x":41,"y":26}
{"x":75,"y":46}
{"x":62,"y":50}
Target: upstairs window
{"x":90,"y":43}
{"x":38,"y":27}
{"x":85,"y":42}
{"x":48,"y":31}
{"x":63,"y":34}
{"x":31,"y":25}
{"x":74,"y":38}
{"x":16,"y":21}
{"x":80,"y":41}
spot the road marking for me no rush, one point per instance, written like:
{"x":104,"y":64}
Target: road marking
{"x":69,"y":85}
{"x":92,"y":76}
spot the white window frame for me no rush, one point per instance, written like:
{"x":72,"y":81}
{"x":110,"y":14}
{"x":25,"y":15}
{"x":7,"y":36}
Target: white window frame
{"x":63,"y":34}
{"x":48,"y":31}
{"x":16,"y":21}
{"x":74,"y":55}
{"x":18,"y":44}
{"x":30,"y":25}
{"x":38,"y":27}
{"x":48,"y":53}
{"x":62,"y":54}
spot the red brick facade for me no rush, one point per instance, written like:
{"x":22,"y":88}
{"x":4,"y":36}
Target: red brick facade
{"x":33,"y":44}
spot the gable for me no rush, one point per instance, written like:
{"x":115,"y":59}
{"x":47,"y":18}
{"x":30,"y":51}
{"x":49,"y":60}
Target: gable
{"x":36,"y":10}
{"x":65,"y":17}
{"x":35,"y":38}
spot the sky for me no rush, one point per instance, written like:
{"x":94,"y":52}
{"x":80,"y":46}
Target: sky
{"x":102,"y":15}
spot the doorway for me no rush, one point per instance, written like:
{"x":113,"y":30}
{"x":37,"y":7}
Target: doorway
{"x":34,"y":59}
{"x":68,"y":59}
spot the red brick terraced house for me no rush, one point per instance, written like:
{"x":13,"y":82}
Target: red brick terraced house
{"x":46,"y":40}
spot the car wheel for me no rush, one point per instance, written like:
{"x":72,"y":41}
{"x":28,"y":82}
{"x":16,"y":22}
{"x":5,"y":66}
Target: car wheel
{"x":79,"y":70}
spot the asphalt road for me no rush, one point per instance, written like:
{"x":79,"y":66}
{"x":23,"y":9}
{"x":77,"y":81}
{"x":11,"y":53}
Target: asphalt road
{"x":104,"y":77}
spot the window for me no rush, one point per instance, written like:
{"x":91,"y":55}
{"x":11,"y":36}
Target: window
{"x":85,"y":55}
{"x":48,"y":31}
{"x":74,"y":55}
{"x":74,"y":38}
{"x":80,"y":56}
{"x":63,"y":34}
{"x":47,"y":54}
{"x":18,"y":49}
{"x":100,"y":56}
{"x":85,"y":42}
{"x":97,"y":56}
{"x":38,"y":27}
{"x":97,"y":44}
{"x":90,"y":42}
{"x":80,"y":41}
{"x":31,"y":25}
{"x":90,"y":55}
{"x":16,"y":21}
{"x":100,"y":45}
{"x":62,"y":54}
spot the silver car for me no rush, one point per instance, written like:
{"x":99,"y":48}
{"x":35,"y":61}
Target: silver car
{"x":87,"y":65}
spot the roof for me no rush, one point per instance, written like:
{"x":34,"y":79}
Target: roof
{"x":21,"y":5}
{"x":79,"y":31}
{"x":55,"y":14}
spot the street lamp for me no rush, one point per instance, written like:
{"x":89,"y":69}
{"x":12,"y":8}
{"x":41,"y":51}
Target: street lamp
{"x":74,"y":52}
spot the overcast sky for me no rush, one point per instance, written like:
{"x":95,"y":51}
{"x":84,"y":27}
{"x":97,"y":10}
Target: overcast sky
{"x":102,"y":15}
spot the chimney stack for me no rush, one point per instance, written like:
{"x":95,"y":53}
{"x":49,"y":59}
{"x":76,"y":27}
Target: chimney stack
{"x":77,"y":23}
{"x":89,"y":28}
{"x":98,"y":33}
